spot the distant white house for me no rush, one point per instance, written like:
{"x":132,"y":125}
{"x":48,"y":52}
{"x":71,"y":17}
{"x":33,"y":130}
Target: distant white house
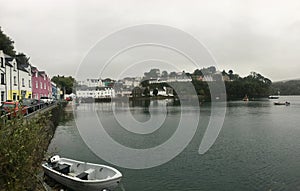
{"x":130,"y":82}
{"x":102,"y":92}
{"x":91,"y":82}
{"x":166,"y":91}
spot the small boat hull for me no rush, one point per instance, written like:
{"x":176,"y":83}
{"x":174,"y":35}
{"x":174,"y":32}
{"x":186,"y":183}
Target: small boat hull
{"x":78,"y":184}
{"x":281,"y":103}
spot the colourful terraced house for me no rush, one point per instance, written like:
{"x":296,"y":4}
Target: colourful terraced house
{"x":41,"y":84}
{"x":15,"y":79}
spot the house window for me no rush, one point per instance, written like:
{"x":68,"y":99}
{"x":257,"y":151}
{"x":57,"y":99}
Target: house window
{"x":14,"y":96}
{"x":41,"y":85}
{"x":44,"y":85}
{"x":2,"y":78}
{"x":23,"y":82}
{"x":29,"y":83}
{"x":15,"y":80}
{"x":2,"y":95}
{"x":14,"y":66}
{"x":2,"y":62}
{"x":29,"y":95}
{"x":36,"y":84}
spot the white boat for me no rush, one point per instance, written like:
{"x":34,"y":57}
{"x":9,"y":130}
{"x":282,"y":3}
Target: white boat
{"x":282,"y":103}
{"x":273,"y":97}
{"x":82,"y":176}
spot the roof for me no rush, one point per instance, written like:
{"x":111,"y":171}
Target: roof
{"x":7,"y":56}
{"x":8,"y":61}
{"x":22,"y":67}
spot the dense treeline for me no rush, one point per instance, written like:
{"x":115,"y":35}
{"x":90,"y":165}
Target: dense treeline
{"x":254,"y":85}
{"x":64,"y":83}
{"x":6,"y":44}
{"x":291,"y":87}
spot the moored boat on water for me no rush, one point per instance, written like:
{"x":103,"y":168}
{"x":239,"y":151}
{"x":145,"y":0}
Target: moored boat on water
{"x":82,"y":176}
{"x":273,"y":97}
{"x":246,"y":98}
{"x":282,"y":103}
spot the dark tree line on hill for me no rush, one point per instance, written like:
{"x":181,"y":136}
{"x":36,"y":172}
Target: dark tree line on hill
{"x":291,"y":87}
{"x":6,"y":44}
{"x":254,"y":85}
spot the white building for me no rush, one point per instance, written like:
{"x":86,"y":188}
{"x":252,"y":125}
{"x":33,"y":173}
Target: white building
{"x":91,"y":83}
{"x":11,"y":74}
{"x":102,"y":92}
{"x":3,"y":78}
{"x":24,"y":81}
{"x":131,"y":82}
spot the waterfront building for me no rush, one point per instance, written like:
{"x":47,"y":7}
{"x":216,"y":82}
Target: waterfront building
{"x":15,"y":79}
{"x":41,"y":84}
{"x":24,"y":80}
{"x":55,"y":90}
{"x":3,"y":78}
{"x":11,"y":74}
{"x":99,"y":92}
{"x":164,"y":91}
{"x":130,"y":82}
{"x":108,"y":82}
{"x":137,"y":92}
{"x":91,"y":82}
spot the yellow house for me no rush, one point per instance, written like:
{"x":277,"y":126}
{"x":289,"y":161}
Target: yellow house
{"x":11,"y":71}
{"x":18,"y":79}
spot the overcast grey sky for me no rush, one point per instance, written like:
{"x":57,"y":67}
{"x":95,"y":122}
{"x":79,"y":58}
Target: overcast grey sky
{"x":245,"y":36}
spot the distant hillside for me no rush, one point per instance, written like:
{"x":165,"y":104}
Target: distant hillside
{"x":291,"y":87}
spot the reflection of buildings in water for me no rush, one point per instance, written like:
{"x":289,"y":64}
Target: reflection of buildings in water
{"x":140,"y":103}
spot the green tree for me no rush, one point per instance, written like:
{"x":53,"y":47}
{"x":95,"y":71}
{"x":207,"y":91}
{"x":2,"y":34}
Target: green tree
{"x":146,"y":92}
{"x":22,"y":59}
{"x":198,"y":72}
{"x":6,"y":44}
{"x":230,"y":72}
{"x":65,"y":83}
{"x":164,"y":74}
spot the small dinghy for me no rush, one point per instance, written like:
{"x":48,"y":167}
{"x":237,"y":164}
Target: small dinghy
{"x":82,"y":176}
{"x":282,"y":103}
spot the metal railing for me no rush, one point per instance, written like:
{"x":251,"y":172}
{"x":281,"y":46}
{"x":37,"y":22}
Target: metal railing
{"x":29,"y":111}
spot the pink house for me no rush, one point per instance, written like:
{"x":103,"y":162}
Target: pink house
{"x":41,"y":84}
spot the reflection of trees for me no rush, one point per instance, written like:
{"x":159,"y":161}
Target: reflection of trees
{"x":60,"y":116}
{"x":140,"y":103}
{"x":145,"y":103}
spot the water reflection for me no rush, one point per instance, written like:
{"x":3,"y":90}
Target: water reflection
{"x":257,"y":149}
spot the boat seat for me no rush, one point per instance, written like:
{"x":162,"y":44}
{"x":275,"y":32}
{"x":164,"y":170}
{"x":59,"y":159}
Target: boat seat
{"x":62,"y":168}
{"x":89,"y":171}
{"x":83,"y":176}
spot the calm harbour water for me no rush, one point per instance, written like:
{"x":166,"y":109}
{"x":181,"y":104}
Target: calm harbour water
{"x":258,"y":147}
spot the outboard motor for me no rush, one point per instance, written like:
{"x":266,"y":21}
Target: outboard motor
{"x":54,"y":160}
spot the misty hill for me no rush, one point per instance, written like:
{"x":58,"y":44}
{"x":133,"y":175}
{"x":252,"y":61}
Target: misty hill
{"x":290,"y":87}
